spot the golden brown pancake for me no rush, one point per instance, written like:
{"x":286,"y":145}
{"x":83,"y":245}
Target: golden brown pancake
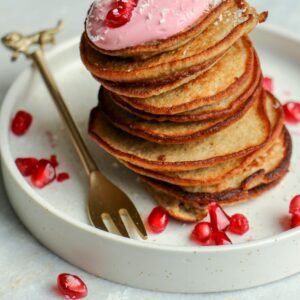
{"x":218,"y":173}
{"x":168,"y":132}
{"x":243,"y":137}
{"x":191,"y":212}
{"x":206,"y":112}
{"x":175,"y":41}
{"x":253,"y":174}
{"x":164,"y":67}
{"x":147,"y":90}
{"x":228,"y":78}
{"x":264,"y":175}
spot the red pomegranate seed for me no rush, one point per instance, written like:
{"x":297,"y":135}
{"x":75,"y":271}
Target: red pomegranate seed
{"x":126,"y":4}
{"x":221,"y":238}
{"x":71,"y":286}
{"x":26,"y":165}
{"x":54,"y":161}
{"x":218,"y":218}
{"x":21,"y":122}
{"x":295,"y":221}
{"x":295,"y":205}
{"x":62,"y":177}
{"x":292,"y":112}
{"x":268,"y":84}
{"x":238,"y":224}
{"x":43,"y":173}
{"x":158,"y":219}
{"x":121,"y":13}
{"x":202,"y":232}
{"x":117,"y":17}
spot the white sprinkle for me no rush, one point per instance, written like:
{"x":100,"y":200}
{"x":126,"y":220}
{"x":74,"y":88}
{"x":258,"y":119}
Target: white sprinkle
{"x":115,"y":11}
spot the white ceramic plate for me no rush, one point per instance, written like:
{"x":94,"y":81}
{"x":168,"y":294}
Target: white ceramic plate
{"x":169,"y":262}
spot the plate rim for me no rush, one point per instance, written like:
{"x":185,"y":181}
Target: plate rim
{"x":7,"y":159}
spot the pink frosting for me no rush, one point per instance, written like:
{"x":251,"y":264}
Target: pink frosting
{"x":151,"y":20}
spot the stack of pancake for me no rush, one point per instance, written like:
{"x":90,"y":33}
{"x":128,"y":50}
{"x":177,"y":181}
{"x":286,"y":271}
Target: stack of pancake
{"x":189,"y":113}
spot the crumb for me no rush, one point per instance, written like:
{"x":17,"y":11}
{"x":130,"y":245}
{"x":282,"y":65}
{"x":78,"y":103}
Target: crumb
{"x":162,"y":158}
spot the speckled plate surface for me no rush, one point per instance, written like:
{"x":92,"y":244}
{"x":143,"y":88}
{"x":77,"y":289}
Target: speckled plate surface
{"x":56,"y":215}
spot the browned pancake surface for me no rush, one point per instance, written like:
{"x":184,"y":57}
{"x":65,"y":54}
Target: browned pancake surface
{"x":191,"y":207}
{"x":247,"y":135}
{"x":220,"y":172}
{"x":168,"y":132}
{"x":228,"y":78}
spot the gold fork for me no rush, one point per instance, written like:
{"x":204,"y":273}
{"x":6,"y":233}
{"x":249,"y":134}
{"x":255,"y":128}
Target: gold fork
{"x":106,"y":201}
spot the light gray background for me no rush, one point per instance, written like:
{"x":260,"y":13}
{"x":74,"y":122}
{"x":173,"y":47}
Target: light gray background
{"x":27,"y":269}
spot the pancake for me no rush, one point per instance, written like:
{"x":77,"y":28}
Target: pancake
{"x":253,"y":174}
{"x":164,"y":67}
{"x":224,"y":107}
{"x":168,"y":132}
{"x":192,"y":207}
{"x":173,"y":42}
{"x":243,"y":137}
{"x":229,"y":76}
{"x":191,"y":212}
{"x":163,"y":86}
{"x":222,"y":171}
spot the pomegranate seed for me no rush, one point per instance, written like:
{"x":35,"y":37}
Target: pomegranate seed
{"x":71,"y":286}
{"x":295,"y":205}
{"x":43,"y":173}
{"x":21,"y":122}
{"x":26,"y":165}
{"x":292,"y":112}
{"x":158,"y":219}
{"x":62,"y":177}
{"x":202,"y":232}
{"x":54,"y":161}
{"x":218,"y":218}
{"x":126,"y":6}
{"x":120,"y":14}
{"x":117,"y":17}
{"x":268,"y":84}
{"x":295,"y":221}
{"x":238,"y":224}
{"x":221,"y":238}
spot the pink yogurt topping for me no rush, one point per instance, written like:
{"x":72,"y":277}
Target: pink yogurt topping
{"x":151,"y":20}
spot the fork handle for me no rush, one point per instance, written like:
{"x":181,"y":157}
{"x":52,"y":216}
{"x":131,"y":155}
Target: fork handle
{"x":86,"y":158}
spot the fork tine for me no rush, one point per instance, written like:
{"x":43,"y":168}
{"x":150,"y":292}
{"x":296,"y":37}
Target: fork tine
{"x":120,"y":225}
{"x":136,"y":219}
{"x":96,"y":220}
